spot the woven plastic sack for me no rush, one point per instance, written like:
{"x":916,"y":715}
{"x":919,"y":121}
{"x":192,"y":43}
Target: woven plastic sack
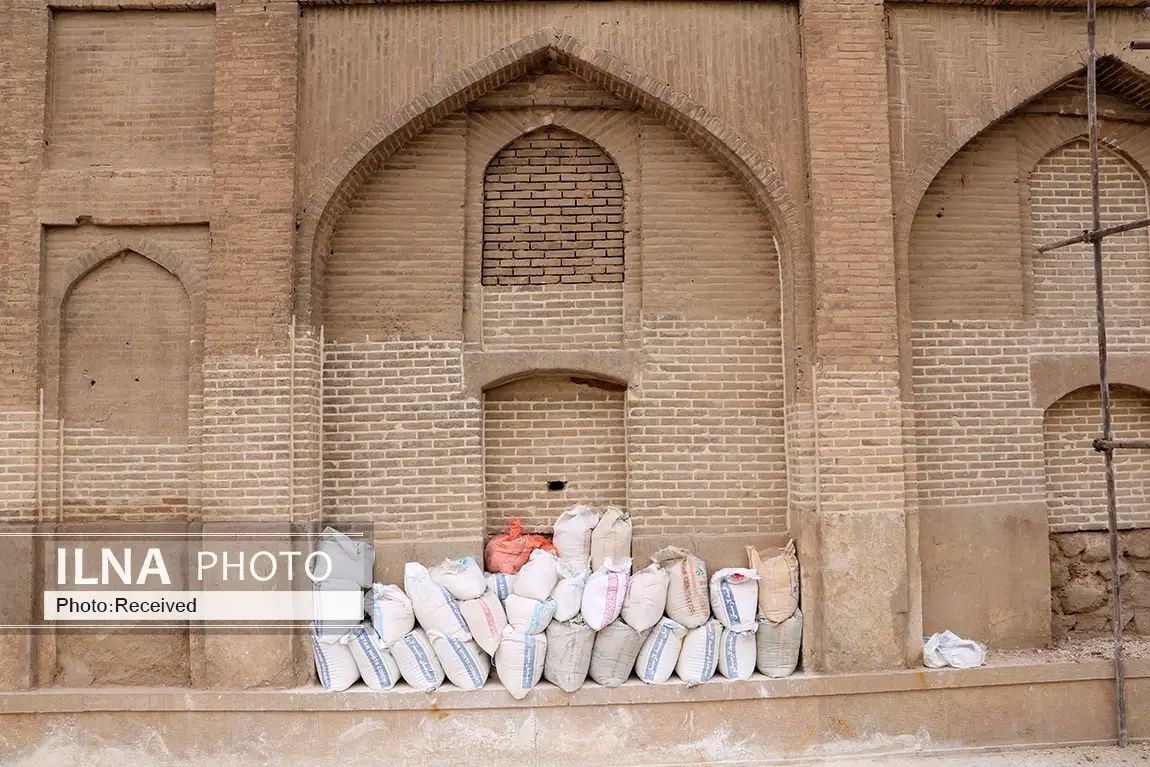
{"x":660,"y":652}
{"x":611,"y":538}
{"x":351,"y":560}
{"x":778,"y":582}
{"x":334,"y":664}
{"x":507,"y":552}
{"x":569,"y":648}
{"x":688,"y":596}
{"x":613,"y":656}
{"x":949,"y":649}
{"x":568,"y":592}
{"x":572,"y":537}
{"x":699,"y":656}
{"x":646,"y":597}
{"x":418,"y":664}
{"x":332,"y":631}
{"x":604,"y":593}
{"x":462,"y":577}
{"x":392,"y":616}
{"x":519,"y":661}
{"x":537,"y":578}
{"x":779,"y":645}
{"x":735,"y":597}
{"x":528,"y":616}
{"x":375,"y":663}
{"x":464,"y":663}
{"x":502,"y":584}
{"x":434,"y":606}
{"x":485,"y":619}
{"x":737,"y":654}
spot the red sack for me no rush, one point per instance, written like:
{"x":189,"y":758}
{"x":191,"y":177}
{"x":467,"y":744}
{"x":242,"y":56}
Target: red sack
{"x":507,"y":552}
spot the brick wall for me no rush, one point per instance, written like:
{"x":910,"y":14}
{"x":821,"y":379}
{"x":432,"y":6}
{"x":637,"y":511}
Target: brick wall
{"x":552,"y":270}
{"x":542,"y":429}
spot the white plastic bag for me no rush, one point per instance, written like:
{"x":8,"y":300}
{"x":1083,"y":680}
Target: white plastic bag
{"x":699,"y":656}
{"x":660,"y":652}
{"x":465,"y":665}
{"x":376,"y":665}
{"x":351,"y":560}
{"x":392,"y":616}
{"x":502,"y":584}
{"x":569,"y":648}
{"x":572,"y":536}
{"x":537,"y":578}
{"x":434,"y":606}
{"x":688,"y":598}
{"x":613,"y":656}
{"x":604,"y":593}
{"x":949,"y":649}
{"x":519,"y":661}
{"x":332,"y":631}
{"x":646,"y":597}
{"x":485,"y":620}
{"x":528,"y":616}
{"x":334,"y":663}
{"x":611,"y":538}
{"x":735,"y":597}
{"x":568,"y":593}
{"x":462,"y":577}
{"x":737,"y":654}
{"x":417,"y":662}
{"x":779,"y":582}
{"x":778,"y":645}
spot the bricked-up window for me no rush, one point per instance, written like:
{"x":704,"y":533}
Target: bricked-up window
{"x":552,"y":244}
{"x":1075,"y":485}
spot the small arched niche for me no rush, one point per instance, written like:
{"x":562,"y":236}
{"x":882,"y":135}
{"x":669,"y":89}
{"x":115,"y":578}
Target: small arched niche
{"x":552,"y":440}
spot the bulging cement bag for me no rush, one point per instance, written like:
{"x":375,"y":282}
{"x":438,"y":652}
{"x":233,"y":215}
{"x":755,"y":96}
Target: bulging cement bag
{"x":519,"y":661}
{"x":351,"y":560}
{"x":568,"y":593}
{"x":735,"y":597}
{"x":737,"y":654}
{"x":569,"y":648}
{"x":332,"y":631}
{"x":375,"y":664}
{"x":779,"y":645}
{"x":501,"y":584}
{"x":660,"y":652}
{"x":462,"y":577}
{"x":392,"y":616}
{"x":537,"y":578}
{"x":417,"y":662}
{"x":778,"y":582}
{"x":688,"y":599}
{"x":613,"y":657}
{"x":572,"y":536}
{"x":611,"y":538}
{"x":334,"y":664}
{"x":465,"y":665}
{"x":528,"y":616}
{"x":699,"y":656}
{"x":434,"y":606}
{"x":604,"y":593}
{"x":646,"y":597}
{"x":485,"y":620}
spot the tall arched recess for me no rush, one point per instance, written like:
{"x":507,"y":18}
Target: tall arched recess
{"x":670,"y":210}
{"x":994,"y":324}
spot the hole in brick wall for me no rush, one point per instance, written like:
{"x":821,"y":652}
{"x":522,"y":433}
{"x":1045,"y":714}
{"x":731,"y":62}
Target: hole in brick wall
{"x":556,"y":484}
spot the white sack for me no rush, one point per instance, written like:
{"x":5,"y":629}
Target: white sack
{"x":333,"y":631}
{"x":375,"y":664}
{"x":779,"y":584}
{"x":688,"y":599}
{"x":334,"y":664}
{"x":462,"y":577}
{"x":528,"y":616}
{"x":604,"y":593}
{"x":699,"y":656}
{"x":351,"y":560}
{"x":646,"y":597}
{"x":485,"y":620}
{"x":735,"y":597}
{"x":434,"y":606}
{"x":519,"y":661}
{"x":613,"y":657}
{"x":611,"y":538}
{"x":464,"y":664}
{"x":537,"y":578}
{"x":417,"y":662}
{"x":569,"y":648}
{"x":660,"y":652}
{"x":949,"y":649}
{"x":502,"y":584}
{"x":572,"y":536}
{"x":737,"y":654}
{"x":779,"y":645}
{"x":391,"y":613}
{"x":568,"y":593}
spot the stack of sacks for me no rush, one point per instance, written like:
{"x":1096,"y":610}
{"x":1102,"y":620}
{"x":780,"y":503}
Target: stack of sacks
{"x":351,"y":563}
{"x":735,"y":597}
{"x":530,"y":608}
{"x":780,"y":623}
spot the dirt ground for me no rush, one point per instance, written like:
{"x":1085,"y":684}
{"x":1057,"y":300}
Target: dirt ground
{"x":1089,"y":756}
